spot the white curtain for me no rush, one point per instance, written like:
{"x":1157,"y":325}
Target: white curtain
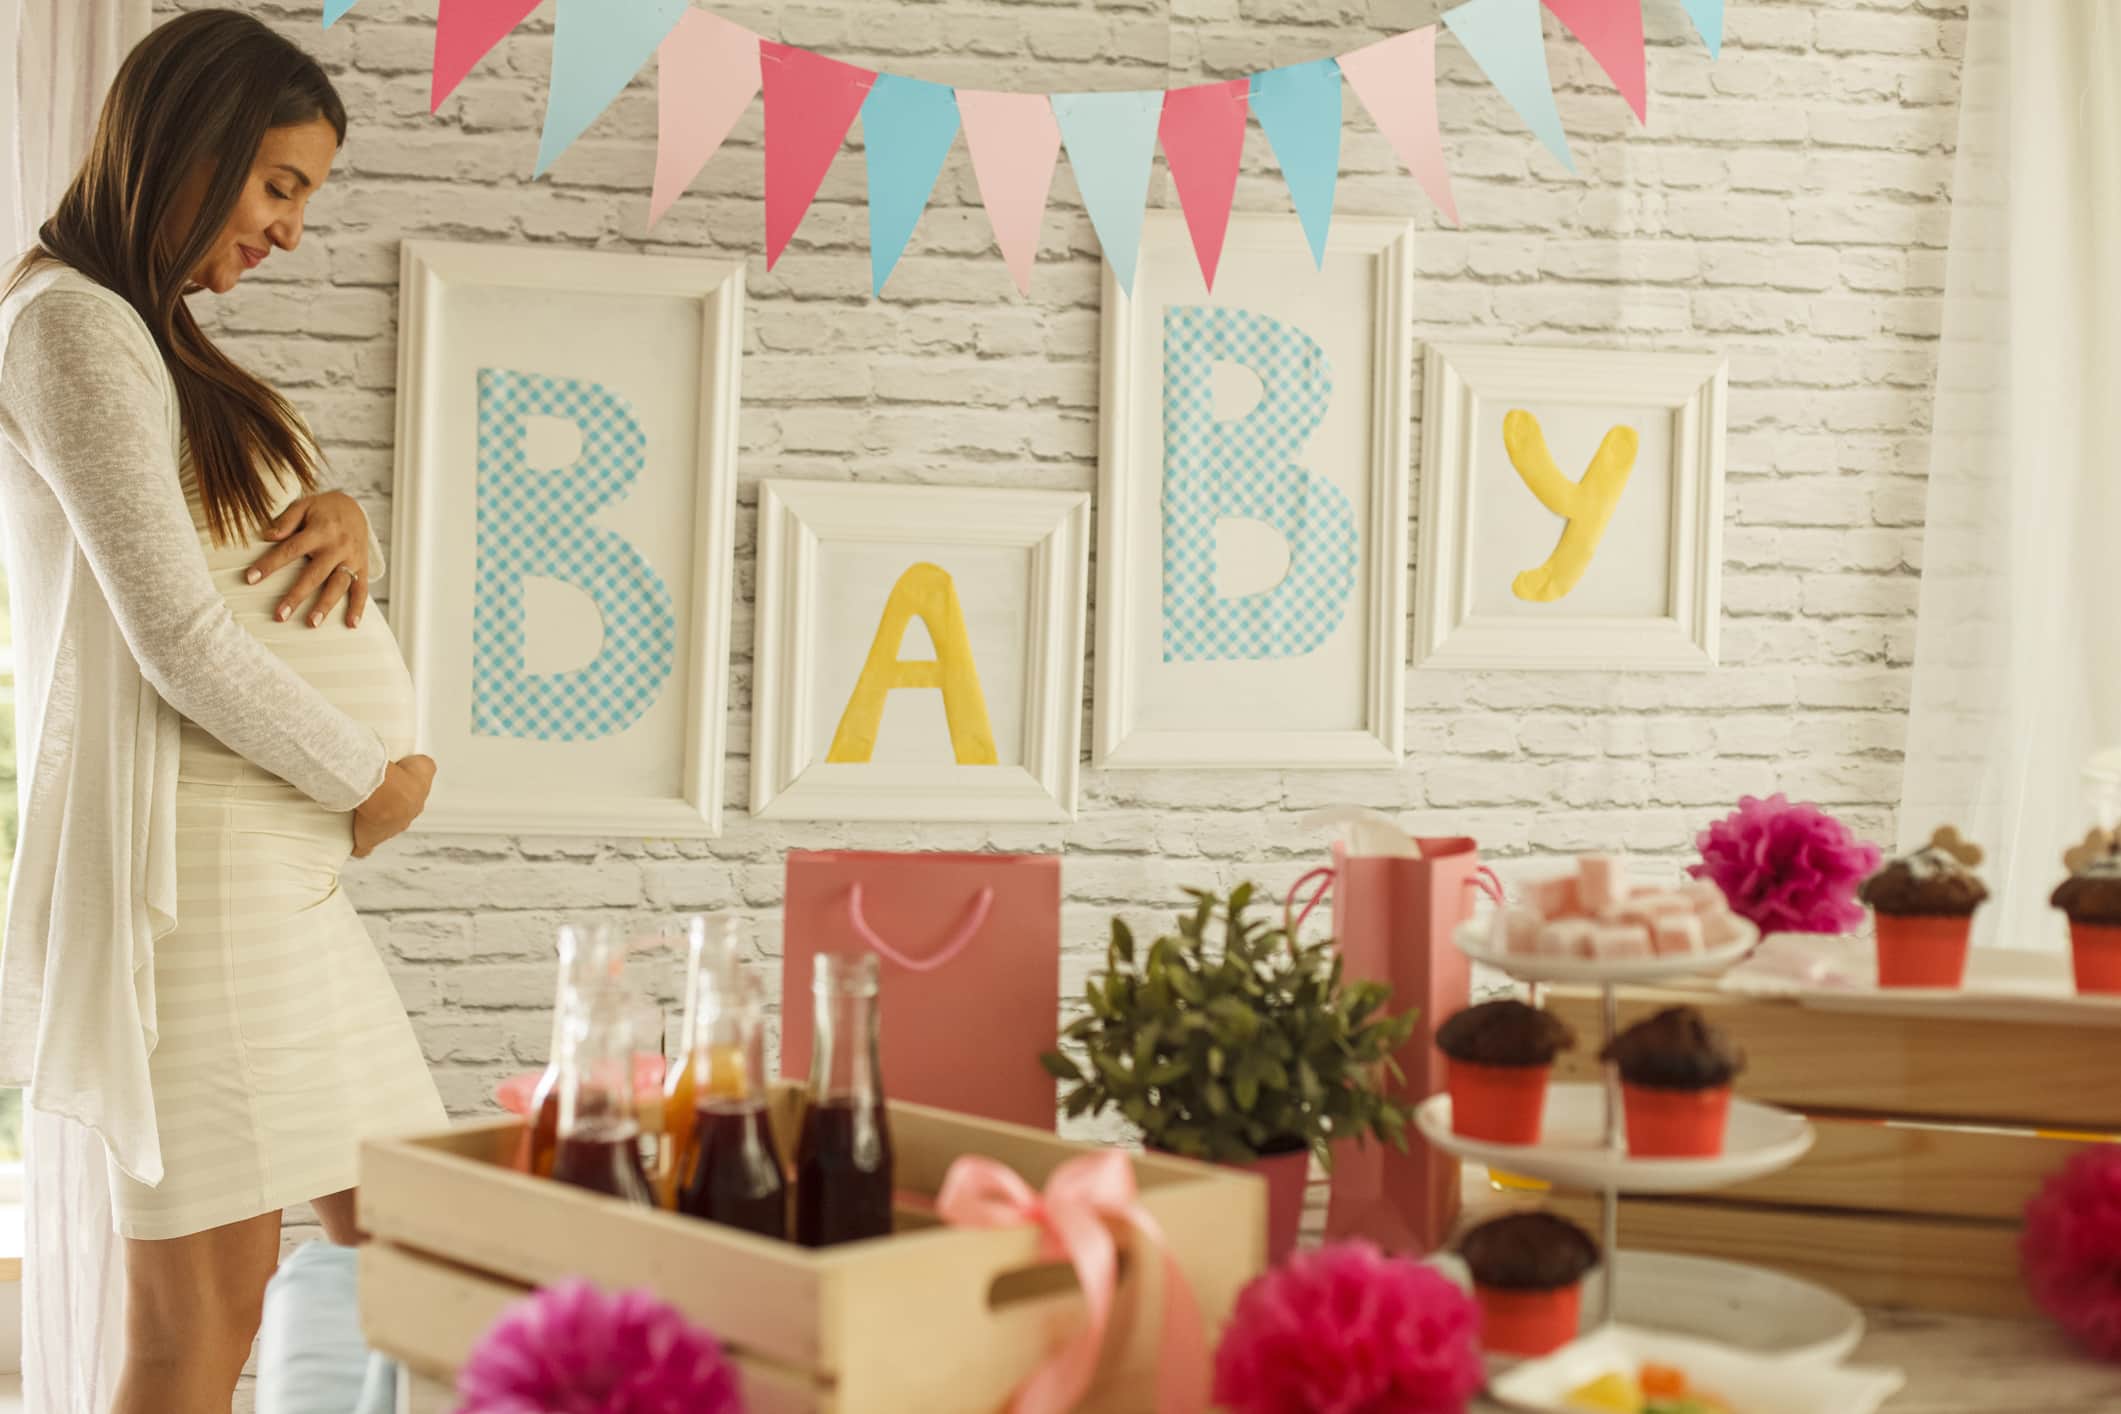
{"x":64,"y":55}
{"x":2018,"y":656}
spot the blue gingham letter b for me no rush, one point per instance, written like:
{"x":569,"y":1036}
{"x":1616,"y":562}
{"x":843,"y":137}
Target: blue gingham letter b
{"x":535,"y":521}
{"x":1246,"y":467}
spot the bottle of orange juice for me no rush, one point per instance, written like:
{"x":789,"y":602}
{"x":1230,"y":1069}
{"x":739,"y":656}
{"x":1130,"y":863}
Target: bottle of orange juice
{"x":703,"y":1069}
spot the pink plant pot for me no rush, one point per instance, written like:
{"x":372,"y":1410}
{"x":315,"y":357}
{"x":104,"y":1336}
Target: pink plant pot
{"x":1286,"y":1175}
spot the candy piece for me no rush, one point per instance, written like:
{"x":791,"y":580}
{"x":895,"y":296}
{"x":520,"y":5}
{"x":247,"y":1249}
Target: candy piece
{"x":1678,"y":933}
{"x":1704,"y":893}
{"x":1646,"y":908}
{"x":1520,"y":926}
{"x":1602,"y":881}
{"x":1565,"y":937}
{"x":1720,"y":928}
{"x":1557,"y":898}
{"x":1613,"y":941}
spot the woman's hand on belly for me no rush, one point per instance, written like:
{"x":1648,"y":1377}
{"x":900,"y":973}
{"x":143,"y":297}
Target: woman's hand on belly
{"x":395,"y":804}
{"x":331,"y":530}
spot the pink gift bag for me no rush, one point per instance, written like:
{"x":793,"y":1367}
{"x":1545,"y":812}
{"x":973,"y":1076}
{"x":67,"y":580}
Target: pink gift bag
{"x":968,"y":947}
{"x":1394,"y":918}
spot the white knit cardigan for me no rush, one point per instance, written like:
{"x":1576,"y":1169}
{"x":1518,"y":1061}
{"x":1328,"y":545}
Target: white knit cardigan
{"x":118,"y":630}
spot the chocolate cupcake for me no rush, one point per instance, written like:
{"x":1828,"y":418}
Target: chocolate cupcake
{"x":2091,"y":896}
{"x":1504,"y":1033}
{"x":1498,"y":1057}
{"x":1936,"y":881}
{"x":1528,"y":1271}
{"x":1676,"y":1049}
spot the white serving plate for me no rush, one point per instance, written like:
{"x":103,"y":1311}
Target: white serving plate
{"x":1473,"y":940}
{"x":1750,"y":1383}
{"x":1572,"y":1151}
{"x":1840,"y":973}
{"x":1748,"y":1308}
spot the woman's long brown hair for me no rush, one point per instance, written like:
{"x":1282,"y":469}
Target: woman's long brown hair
{"x":198,"y":94}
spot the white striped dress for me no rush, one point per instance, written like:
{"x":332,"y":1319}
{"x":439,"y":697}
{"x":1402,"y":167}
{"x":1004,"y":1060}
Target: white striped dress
{"x":282,"y":1040}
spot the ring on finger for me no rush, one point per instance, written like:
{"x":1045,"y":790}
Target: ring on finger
{"x":353,"y":576}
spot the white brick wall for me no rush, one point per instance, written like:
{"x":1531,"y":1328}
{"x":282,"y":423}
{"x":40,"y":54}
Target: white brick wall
{"x":1788,"y":204}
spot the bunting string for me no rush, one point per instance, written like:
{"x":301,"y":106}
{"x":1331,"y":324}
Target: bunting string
{"x":709,"y":69}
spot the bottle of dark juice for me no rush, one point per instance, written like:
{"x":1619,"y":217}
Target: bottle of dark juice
{"x":843,"y":1166}
{"x":732,"y":1173}
{"x":599,"y":1144}
{"x":587,"y":957}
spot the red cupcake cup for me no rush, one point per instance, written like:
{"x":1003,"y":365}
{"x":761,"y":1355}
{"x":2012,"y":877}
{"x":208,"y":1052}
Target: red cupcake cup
{"x":2095,"y":955}
{"x":1920,"y":950}
{"x":1675,"y":1124}
{"x":1528,"y":1323}
{"x":1502,"y":1104}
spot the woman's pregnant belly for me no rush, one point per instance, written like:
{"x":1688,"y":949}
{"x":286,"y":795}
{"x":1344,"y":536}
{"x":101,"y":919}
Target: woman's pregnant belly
{"x":358,"y":670}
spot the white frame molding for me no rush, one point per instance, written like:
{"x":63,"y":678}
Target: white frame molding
{"x":1457,"y":379}
{"x":1127,"y":608}
{"x":797,"y":519}
{"x":427,"y":270}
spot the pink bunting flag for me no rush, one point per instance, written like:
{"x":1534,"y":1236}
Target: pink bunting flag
{"x":1396,"y":80}
{"x":810,"y":103}
{"x":1015,"y":143}
{"x":1612,"y":31}
{"x":465,"y":32}
{"x":1203,"y":132}
{"x":706,"y":74}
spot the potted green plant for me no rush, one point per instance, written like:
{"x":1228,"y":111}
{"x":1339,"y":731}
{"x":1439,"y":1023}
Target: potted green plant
{"x":1238,"y":1045}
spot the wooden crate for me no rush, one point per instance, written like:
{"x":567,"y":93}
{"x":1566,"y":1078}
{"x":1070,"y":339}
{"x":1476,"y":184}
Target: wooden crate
{"x":932,"y":1319}
{"x":1933,"y":1134}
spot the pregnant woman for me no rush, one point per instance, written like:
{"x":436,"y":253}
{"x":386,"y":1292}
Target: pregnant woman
{"x":204,"y":738}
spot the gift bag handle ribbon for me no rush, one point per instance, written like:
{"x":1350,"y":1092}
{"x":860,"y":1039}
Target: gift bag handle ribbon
{"x":1482,"y":878}
{"x":975,"y":919}
{"x":1081,"y":1197}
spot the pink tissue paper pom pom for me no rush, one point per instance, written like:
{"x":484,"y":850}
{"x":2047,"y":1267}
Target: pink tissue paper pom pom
{"x":1348,"y":1330}
{"x":1786,"y":868}
{"x":574,"y":1349}
{"x":2071,"y":1251}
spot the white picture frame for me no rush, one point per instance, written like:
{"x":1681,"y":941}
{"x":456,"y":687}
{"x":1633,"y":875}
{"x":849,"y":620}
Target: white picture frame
{"x":528,"y":741}
{"x":1253,"y":703}
{"x":831,"y":558}
{"x":1655,"y":574}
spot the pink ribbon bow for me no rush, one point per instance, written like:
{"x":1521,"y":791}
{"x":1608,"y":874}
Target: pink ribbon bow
{"x":1080,"y":1197}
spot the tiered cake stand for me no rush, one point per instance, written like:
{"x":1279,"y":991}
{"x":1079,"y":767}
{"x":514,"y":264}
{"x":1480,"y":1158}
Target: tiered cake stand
{"x":1583,"y":1146}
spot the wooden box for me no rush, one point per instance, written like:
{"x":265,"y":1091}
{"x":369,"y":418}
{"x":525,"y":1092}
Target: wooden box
{"x":931,"y":1319}
{"x":1934,"y":1132}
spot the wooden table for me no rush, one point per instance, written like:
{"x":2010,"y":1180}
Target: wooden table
{"x":1954,"y":1365}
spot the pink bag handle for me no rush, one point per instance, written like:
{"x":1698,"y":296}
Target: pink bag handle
{"x":975,"y":919}
{"x":1482,"y":878}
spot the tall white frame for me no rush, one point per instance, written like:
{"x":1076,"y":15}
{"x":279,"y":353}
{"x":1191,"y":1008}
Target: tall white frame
{"x":429,"y":270}
{"x":797,"y":520}
{"x":1458,"y":380}
{"x":1127,"y":608}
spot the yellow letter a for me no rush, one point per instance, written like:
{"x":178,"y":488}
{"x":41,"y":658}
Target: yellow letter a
{"x":924,"y":591}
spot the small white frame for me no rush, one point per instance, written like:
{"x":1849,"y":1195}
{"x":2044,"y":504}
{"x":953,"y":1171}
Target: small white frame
{"x":1129,"y":603}
{"x":1459,"y":381}
{"x":798,"y":520}
{"x":431,"y":272}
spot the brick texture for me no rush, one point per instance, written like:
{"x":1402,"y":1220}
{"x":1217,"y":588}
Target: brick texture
{"x":1788,"y":204}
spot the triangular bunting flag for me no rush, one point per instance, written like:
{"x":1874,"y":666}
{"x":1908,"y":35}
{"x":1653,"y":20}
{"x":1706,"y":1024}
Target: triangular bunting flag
{"x":810,"y":103}
{"x":597,"y":48}
{"x":707,"y":73}
{"x":1299,"y":106}
{"x":1505,"y":39}
{"x":1396,"y":80}
{"x":1612,"y":31}
{"x":907,"y":129}
{"x":1111,"y":139}
{"x":1707,"y":16}
{"x":1015,"y":145}
{"x":465,"y":32}
{"x":1203,"y":132}
{"x":334,"y":9}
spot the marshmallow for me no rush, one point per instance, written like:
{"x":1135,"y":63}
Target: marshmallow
{"x":1720,"y":928}
{"x":1678,"y":933}
{"x":1602,"y":881}
{"x":1566,"y":937}
{"x":1557,"y":898}
{"x":1612,"y":941}
{"x":1646,"y":908}
{"x":1705,"y":894}
{"x":1519,"y":927}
